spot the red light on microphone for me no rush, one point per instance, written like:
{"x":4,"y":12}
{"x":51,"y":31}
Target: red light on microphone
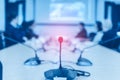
{"x":60,"y":39}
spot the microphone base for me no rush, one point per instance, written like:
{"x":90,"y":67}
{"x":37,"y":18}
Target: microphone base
{"x":84,"y":62}
{"x":32,"y":61}
{"x":61,"y":72}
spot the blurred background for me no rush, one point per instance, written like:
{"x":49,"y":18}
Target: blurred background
{"x":60,"y":17}
{"x":37,"y":24}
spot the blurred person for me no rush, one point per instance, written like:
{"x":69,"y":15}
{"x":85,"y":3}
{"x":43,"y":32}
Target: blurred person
{"x":1,"y":45}
{"x":28,"y":28}
{"x":82,"y":33}
{"x":109,"y":33}
{"x":99,"y":34}
{"x":13,"y":30}
{"x":2,"y":40}
{"x":118,"y":40}
{"x":107,"y":25}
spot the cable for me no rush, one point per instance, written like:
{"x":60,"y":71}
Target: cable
{"x":79,"y":72}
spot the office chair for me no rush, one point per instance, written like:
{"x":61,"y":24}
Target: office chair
{"x":1,"y":71}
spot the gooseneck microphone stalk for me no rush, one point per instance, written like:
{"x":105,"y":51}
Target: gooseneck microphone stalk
{"x":60,"y":39}
{"x":85,"y":62}
{"x":31,"y":61}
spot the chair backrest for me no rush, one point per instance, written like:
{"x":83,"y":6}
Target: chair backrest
{"x":91,"y":36}
{"x":1,"y":43}
{"x":1,"y":70}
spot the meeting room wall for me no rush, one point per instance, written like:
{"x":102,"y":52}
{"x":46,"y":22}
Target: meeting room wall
{"x":101,"y":8}
{"x":39,"y":10}
{"x":40,"y":14}
{"x":29,"y":10}
{"x":42,"y":11}
{"x":2,"y":15}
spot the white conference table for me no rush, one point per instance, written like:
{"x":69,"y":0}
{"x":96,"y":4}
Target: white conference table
{"x":106,"y":63}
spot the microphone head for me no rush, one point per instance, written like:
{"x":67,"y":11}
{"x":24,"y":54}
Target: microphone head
{"x":60,"y":39}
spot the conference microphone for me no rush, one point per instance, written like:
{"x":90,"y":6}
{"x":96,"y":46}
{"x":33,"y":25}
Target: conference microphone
{"x":85,"y":62}
{"x":31,"y":61}
{"x":70,"y":74}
